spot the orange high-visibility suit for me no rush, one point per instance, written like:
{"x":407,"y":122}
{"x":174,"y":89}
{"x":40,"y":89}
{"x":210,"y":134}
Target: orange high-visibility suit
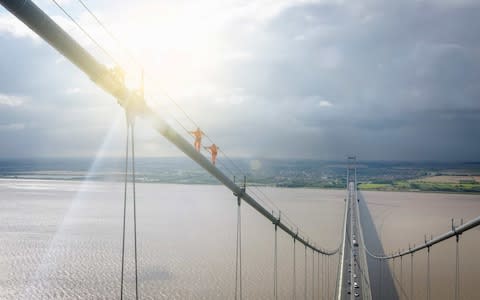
{"x":214,"y":150}
{"x":198,"y":138}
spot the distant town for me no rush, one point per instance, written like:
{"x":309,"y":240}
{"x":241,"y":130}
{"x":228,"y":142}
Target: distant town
{"x":461,"y":177}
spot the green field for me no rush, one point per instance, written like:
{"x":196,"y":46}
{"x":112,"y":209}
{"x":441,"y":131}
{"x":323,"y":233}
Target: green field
{"x":416,"y":185}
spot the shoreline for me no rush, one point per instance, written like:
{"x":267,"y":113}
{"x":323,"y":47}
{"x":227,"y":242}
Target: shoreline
{"x":10,"y":178}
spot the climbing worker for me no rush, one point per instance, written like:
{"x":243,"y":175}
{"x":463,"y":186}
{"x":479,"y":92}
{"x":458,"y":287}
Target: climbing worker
{"x":214,"y":150}
{"x":198,"y":138}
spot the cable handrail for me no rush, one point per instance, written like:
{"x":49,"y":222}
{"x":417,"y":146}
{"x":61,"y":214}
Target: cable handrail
{"x":90,"y":37}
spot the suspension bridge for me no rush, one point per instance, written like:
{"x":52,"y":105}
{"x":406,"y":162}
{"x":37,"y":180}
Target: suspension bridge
{"x":361,"y":272}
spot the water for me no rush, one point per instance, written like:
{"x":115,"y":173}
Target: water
{"x":62,"y":240}
{"x":403,"y":218}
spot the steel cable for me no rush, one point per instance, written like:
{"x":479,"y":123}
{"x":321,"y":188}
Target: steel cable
{"x":411,"y":276}
{"x":318,"y":275}
{"x":238,"y":259}
{"x":275,"y":270}
{"x":428,"y":273}
{"x":305,"y":287}
{"x":168,"y":96}
{"x":457,"y":270}
{"x":132,"y":128}
{"x":85,"y":32}
{"x":124,"y":210}
{"x":313,"y":275}
{"x":294,"y":272}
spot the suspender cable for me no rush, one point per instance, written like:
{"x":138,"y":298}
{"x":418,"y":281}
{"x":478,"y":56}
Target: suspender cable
{"x":400,"y":285}
{"x":428,"y":273}
{"x":379,"y":266}
{"x":275,"y":271}
{"x":313,"y":275}
{"x":294,"y":293}
{"x":32,"y":16}
{"x":318,"y":275}
{"x":328,"y":277}
{"x":323,"y":277}
{"x":238,"y":255}
{"x":124,"y":209}
{"x":133,"y":59}
{"x":132,"y":128}
{"x":130,"y":139}
{"x":457,"y":270}
{"x":411,"y":276}
{"x":393,"y":266}
{"x":381,"y":278}
{"x":401,"y":272}
{"x":305,"y":290}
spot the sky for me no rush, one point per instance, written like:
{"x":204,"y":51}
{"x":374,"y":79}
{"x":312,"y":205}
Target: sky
{"x":385,"y":80}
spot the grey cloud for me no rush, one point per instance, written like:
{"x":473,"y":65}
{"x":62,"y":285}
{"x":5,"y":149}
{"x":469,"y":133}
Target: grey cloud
{"x":402,"y":77}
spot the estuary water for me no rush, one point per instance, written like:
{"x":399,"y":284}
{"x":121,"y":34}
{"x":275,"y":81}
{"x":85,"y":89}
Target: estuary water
{"x":62,"y":240}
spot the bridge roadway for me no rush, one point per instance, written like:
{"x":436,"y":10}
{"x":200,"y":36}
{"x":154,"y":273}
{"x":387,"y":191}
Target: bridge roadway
{"x":355,"y":279}
{"x":373,"y":278}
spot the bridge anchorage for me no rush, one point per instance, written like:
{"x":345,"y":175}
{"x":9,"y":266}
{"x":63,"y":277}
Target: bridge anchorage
{"x":354,"y":276}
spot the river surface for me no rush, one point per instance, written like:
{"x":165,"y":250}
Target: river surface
{"x":62,"y":240}
{"x":406,"y":218}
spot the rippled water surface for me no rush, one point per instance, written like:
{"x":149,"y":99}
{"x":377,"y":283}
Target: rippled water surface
{"x":62,"y":240}
{"x":407,"y":218}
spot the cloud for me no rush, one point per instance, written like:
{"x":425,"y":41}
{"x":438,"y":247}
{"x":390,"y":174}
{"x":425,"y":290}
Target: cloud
{"x":11,"y":100}
{"x":12,"y":26}
{"x":72,"y":91}
{"x":316,"y":79}
{"x":12,"y":127}
{"x":324,"y":103}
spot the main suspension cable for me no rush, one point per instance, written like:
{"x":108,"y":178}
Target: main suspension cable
{"x":124,"y":49}
{"x":110,"y":33}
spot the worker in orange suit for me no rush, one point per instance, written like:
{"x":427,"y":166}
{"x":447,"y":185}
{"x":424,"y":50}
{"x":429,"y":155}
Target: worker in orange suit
{"x":198,"y":138}
{"x":213,"y":149}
